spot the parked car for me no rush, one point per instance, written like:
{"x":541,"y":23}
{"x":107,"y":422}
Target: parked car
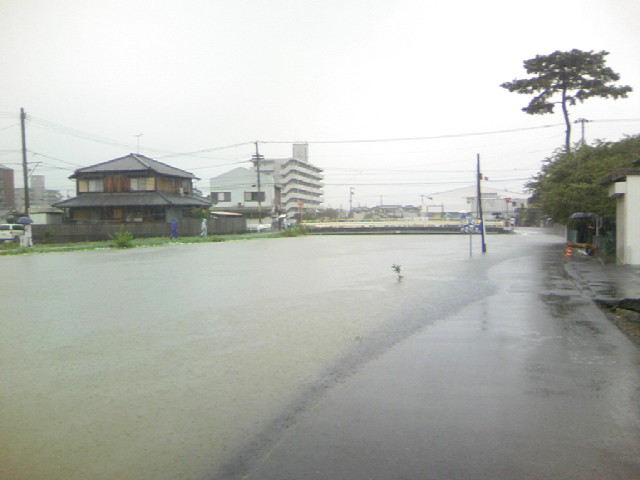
{"x":255,"y":227}
{"x":11,"y":232}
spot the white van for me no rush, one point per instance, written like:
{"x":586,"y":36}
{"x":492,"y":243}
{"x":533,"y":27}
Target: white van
{"x":11,"y":232}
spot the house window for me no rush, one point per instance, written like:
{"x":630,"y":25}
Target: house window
{"x":96,"y":185}
{"x":254,"y":196}
{"x":186,"y":187}
{"x":218,"y":197}
{"x":90,"y":185}
{"x":174,"y":185}
{"x":142,"y":184}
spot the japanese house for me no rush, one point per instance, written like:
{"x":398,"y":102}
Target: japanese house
{"x":133,"y":188}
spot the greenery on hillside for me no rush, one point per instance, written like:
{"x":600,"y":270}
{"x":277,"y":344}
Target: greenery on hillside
{"x":571,"y":182}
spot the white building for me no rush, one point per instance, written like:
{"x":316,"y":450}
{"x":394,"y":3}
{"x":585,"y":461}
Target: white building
{"x":237,"y":191}
{"x":624,"y":186}
{"x":299,"y":180}
{"x":453,"y":202}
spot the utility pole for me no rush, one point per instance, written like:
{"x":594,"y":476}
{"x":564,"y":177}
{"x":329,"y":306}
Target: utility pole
{"x":582,"y":121}
{"x":351,"y":190}
{"x":479,"y":178}
{"x":25,"y":169}
{"x":256,"y":161}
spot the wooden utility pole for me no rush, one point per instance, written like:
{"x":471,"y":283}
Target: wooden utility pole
{"x":256,"y":161}
{"x":582,"y":121}
{"x":351,"y":190}
{"x":479,"y":177}
{"x":25,"y":170}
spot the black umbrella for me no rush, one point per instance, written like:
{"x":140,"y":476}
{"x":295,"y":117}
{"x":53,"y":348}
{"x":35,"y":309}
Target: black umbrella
{"x":24,"y":220}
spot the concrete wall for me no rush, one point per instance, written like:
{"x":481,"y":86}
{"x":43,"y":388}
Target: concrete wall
{"x":187,"y":227}
{"x":627,"y":195}
{"x":631,"y":247}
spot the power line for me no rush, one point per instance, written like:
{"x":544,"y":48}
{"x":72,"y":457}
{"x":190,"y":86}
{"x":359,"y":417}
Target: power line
{"x":58,"y":128}
{"x":217,"y":166}
{"x":206,"y":150}
{"x":616,"y":120}
{"x":434,"y":137}
{"x":379,"y":171}
{"x":54,"y":158}
{"x":10,"y":126}
{"x":39,"y":122}
{"x":48,"y":165}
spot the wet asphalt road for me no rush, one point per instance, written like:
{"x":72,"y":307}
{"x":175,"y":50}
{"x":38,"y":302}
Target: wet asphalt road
{"x":530,"y":381}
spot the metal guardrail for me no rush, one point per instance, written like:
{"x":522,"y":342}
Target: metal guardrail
{"x":407,"y":223}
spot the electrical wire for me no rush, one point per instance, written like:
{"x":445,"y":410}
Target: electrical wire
{"x":58,"y":128}
{"x":53,"y":158}
{"x":206,"y":150}
{"x":434,"y":137}
{"x":615,"y":120}
{"x":10,"y":126}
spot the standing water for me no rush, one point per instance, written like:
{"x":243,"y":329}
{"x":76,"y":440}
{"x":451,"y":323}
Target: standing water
{"x":159,"y":363}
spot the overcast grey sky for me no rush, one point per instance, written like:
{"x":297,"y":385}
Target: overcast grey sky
{"x":193,"y":75}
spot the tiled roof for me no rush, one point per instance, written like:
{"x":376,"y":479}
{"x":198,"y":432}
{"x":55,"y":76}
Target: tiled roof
{"x":134,"y":163}
{"x":132,"y":199}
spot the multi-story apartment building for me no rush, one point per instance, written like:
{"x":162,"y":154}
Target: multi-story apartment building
{"x":300,"y":181}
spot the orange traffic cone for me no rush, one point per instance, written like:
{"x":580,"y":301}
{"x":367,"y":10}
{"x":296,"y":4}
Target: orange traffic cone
{"x":568,"y":250}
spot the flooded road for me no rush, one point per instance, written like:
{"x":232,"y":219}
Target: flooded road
{"x":163,"y":363}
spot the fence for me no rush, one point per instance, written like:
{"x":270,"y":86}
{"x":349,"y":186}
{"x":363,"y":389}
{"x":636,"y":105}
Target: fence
{"x":95,"y":232}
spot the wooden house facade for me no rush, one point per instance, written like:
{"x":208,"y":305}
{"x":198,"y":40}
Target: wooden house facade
{"x":133,"y":188}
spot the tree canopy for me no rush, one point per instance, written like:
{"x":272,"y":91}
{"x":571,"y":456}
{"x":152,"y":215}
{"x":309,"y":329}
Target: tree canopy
{"x":566,"y":78}
{"x":570,"y":182}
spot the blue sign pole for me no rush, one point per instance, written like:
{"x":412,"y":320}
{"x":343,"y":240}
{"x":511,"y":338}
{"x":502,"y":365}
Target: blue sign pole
{"x":470,"y":230}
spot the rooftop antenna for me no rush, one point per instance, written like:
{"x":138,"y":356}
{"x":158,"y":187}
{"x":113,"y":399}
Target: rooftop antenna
{"x":138,"y":135}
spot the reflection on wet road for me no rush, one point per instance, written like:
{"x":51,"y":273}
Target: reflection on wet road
{"x":530,"y":381}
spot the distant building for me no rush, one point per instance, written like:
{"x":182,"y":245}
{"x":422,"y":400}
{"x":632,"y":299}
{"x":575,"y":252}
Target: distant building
{"x":300,"y":181}
{"x":39,"y":197}
{"x":7,"y":190}
{"x":394,"y":211}
{"x":236,"y":191}
{"x":286,"y":185}
{"x":498,"y":204}
{"x":452,"y":203}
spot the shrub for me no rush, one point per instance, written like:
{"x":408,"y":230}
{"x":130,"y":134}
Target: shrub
{"x":47,"y":237}
{"x":122,"y":239}
{"x":294,"y":231}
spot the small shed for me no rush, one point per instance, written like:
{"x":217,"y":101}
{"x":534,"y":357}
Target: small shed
{"x":48,"y":216}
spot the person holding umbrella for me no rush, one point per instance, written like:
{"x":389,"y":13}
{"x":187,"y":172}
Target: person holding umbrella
{"x":203,"y":228}
{"x":27,"y":238}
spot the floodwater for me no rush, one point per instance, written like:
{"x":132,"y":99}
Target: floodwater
{"x":161,"y":363}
